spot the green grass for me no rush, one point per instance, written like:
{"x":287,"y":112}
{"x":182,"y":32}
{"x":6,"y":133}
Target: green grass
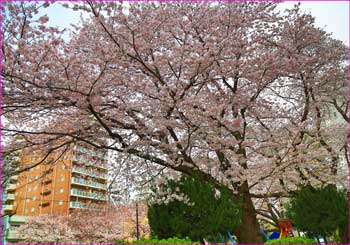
{"x":292,"y":240}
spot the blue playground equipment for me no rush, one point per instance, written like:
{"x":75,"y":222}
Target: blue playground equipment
{"x":230,"y":238}
{"x":264,"y":234}
{"x":274,"y":235}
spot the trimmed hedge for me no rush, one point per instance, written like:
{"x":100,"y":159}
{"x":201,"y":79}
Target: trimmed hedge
{"x":173,"y":240}
{"x":292,"y":240}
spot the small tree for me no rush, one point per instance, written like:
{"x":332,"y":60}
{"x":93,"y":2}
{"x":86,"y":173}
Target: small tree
{"x":102,"y":226}
{"x":97,"y":226}
{"x":47,"y":229}
{"x":319,"y":210}
{"x":193,"y":208}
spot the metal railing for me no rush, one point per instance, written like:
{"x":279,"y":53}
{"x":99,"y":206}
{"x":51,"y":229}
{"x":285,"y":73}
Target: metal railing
{"x":92,"y":184}
{"x":88,"y":162}
{"x":7,"y":208}
{"x":92,"y":195}
{"x":89,"y":172}
{"x":11,"y":187}
{"x":100,"y":155}
{"x":77,"y":204}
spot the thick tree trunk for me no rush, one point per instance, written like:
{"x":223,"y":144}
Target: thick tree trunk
{"x":344,"y":236}
{"x":249,"y":230}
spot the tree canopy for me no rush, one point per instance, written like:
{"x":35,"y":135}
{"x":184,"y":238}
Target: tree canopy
{"x":234,"y":93}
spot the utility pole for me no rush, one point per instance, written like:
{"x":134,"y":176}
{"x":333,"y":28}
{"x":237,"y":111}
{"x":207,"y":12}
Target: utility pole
{"x":137,"y":222}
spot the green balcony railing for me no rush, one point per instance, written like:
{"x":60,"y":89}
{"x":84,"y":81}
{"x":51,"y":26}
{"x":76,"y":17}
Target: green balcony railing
{"x":81,"y":205}
{"x":100,"y":155}
{"x":7,"y":208}
{"x":14,"y":179}
{"x":12,"y":235}
{"x":89,"y":172}
{"x":77,"y":205}
{"x":92,"y":195}
{"x":11,"y":187}
{"x":92,"y":184}
{"x":10,"y":198}
{"x":17,"y":219}
{"x":88,"y":162}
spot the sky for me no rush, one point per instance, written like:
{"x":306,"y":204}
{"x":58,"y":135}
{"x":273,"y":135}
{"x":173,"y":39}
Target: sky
{"x":332,"y":16}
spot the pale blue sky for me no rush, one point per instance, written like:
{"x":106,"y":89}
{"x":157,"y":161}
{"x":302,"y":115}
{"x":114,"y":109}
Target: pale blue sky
{"x":332,"y":16}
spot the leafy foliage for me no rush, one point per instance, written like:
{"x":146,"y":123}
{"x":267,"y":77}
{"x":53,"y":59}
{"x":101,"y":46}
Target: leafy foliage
{"x":292,"y":240}
{"x":173,"y":240}
{"x":318,"y":210}
{"x":206,"y":214}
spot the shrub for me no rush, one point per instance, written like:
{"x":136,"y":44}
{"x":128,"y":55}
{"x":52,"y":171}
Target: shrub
{"x":173,"y":240}
{"x":319,"y":211}
{"x":208,"y":217}
{"x":292,"y":240}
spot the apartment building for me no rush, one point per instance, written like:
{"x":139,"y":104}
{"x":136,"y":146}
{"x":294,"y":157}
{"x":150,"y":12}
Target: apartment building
{"x":58,"y":185}
{"x":9,"y":220}
{"x":78,"y":179}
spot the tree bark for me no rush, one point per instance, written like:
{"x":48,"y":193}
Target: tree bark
{"x":344,"y":236}
{"x":249,"y":231}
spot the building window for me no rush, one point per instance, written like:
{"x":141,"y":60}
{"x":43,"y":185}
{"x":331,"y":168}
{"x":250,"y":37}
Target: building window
{"x":26,"y":210}
{"x":36,"y":177}
{"x":27,"y":199}
{"x":60,"y":202}
{"x":335,"y":114}
{"x":61,"y":190}
{"x":32,"y":209}
{"x":62,"y":177}
{"x":37,"y":167}
{"x":33,"y":159}
{"x":35,"y":187}
{"x":29,"y":189}
{"x":34,"y":198}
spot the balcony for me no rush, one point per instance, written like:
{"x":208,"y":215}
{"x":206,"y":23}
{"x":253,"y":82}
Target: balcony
{"x":89,"y":173}
{"x":11,"y":187}
{"x":81,"y":205}
{"x":12,"y":235}
{"x":7,"y":208}
{"x":10,"y":198}
{"x":88,"y":162}
{"x":46,"y":192}
{"x":45,"y":203}
{"x":91,"y":184}
{"x":13,"y":179}
{"x":77,"y":205}
{"x":17,"y":219}
{"x":47,"y":181}
{"x":100,"y":155}
{"x":90,"y":195}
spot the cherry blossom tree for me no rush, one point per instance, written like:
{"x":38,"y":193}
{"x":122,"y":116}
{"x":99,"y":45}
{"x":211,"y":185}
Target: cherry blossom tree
{"x":234,"y":93}
{"x":46,"y":229}
{"x":104,"y":225}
